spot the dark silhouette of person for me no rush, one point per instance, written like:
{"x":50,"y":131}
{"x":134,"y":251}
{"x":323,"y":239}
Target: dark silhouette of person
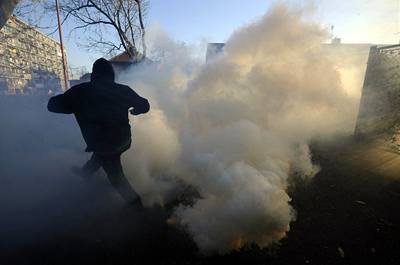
{"x":101,"y":109}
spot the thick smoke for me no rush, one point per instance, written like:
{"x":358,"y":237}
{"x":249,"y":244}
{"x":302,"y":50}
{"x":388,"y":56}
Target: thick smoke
{"x":237,"y":127}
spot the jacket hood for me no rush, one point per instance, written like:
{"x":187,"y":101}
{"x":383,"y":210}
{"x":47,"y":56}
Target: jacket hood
{"x":102,"y":70}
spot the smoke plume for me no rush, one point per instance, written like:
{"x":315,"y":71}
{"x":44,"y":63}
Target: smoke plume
{"x":237,"y":127}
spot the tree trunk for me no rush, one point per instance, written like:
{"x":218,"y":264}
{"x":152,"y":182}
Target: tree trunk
{"x":142,"y":27}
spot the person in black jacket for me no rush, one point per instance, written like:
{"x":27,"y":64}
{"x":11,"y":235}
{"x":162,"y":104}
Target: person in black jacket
{"x":101,"y":109}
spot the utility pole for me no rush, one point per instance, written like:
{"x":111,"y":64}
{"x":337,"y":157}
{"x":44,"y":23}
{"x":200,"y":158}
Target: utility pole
{"x":64,"y":60}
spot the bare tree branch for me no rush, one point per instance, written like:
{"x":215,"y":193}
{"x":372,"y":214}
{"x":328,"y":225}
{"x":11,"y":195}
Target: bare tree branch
{"x":139,"y":4}
{"x":110,"y":25}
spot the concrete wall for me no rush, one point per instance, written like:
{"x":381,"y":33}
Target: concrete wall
{"x":379,"y":113}
{"x":30,"y":62}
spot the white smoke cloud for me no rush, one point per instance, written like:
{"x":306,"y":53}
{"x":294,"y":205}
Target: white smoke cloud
{"x":236,"y":128}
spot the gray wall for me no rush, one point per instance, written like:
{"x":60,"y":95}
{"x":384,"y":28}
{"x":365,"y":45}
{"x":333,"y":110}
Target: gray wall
{"x":379,"y":112}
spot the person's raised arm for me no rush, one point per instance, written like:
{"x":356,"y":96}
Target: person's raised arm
{"x":140,"y":105}
{"x":62,"y":103}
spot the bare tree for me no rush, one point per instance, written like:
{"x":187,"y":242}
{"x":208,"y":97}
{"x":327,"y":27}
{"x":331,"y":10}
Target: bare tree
{"x":141,"y":23}
{"x":108,"y":26}
{"x":114,"y":25}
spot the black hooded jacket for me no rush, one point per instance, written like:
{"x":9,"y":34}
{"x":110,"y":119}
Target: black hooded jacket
{"x":101,"y":109}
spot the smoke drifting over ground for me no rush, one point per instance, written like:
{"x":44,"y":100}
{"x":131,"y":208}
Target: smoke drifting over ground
{"x":236,"y":128}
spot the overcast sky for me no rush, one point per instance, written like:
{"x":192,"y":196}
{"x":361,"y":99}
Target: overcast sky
{"x":193,"y":21}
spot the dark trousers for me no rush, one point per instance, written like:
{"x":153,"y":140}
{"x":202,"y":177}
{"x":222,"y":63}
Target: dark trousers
{"x":111,"y":164}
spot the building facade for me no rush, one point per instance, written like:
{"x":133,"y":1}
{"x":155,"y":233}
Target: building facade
{"x":213,"y":50}
{"x":30,"y":62}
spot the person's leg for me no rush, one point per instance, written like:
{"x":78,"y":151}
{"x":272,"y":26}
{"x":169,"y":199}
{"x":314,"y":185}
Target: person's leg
{"x":90,"y":167}
{"x":113,"y":167}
